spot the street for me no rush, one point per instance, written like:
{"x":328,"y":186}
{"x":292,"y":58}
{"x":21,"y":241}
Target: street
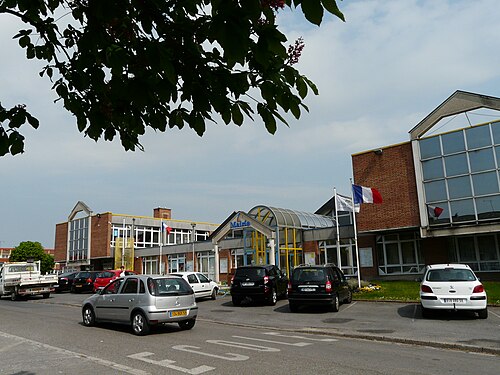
{"x":46,"y":337}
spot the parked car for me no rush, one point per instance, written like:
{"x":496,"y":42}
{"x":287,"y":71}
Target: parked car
{"x":264,"y":282}
{"x":202,"y":285}
{"x":64,"y":281}
{"x":84,"y":281}
{"x":143,"y":301}
{"x":312,"y":285}
{"x":103,"y":278}
{"x":452,"y":287}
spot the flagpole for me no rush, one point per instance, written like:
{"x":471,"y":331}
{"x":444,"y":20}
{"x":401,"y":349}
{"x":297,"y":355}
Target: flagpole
{"x":339,"y":259}
{"x":161,"y":244}
{"x":355,"y":236}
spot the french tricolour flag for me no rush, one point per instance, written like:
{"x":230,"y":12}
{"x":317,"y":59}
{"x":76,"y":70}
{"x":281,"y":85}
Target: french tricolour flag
{"x":363,"y":194}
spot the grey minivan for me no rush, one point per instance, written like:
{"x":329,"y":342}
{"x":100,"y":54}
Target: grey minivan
{"x":143,"y":301}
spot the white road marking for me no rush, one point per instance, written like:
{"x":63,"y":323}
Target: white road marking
{"x":100,"y":361}
{"x":228,"y":357}
{"x":491,"y":312}
{"x":298,"y":337}
{"x":170,"y":364}
{"x":300,"y":344}
{"x":241,"y":345}
{"x":349,"y":306}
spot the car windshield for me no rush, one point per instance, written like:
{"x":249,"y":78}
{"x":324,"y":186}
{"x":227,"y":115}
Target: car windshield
{"x":168,"y":287}
{"x":308,"y":274}
{"x":250,"y":272}
{"x":451,"y":274}
{"x":84,"y":274}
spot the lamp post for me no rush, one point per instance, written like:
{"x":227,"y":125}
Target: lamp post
{"x":193,"y":226}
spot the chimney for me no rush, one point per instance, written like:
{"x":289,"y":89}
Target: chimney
{"x":162,"y":213}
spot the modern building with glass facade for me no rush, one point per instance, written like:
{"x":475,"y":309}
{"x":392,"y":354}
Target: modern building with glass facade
{"x":455,"y":171}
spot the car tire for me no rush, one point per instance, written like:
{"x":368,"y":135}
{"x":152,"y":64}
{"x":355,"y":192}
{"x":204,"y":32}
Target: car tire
{"x":293,"y":307}
{"x":14,"y":296}
{"x":45,"y":295}
{"x":482,"y":314}
{"x":236,"y":301}
{"x":213,"y":296}
{"x":88,"y":316}
{"x":349,"y":297}
{"x":335,"y":303}
{"x":426,"y":313}
{"x":140,"y":324}
{"x":273,"y":298}
{"x":187,"y":324}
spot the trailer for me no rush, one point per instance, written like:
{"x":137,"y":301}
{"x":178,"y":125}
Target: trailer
{"x":19,"y":279}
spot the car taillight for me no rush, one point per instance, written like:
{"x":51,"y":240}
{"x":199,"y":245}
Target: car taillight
{"x":478,"y":289}
{"x":426,"y":289}
{"x":232,"y":280}
{"x":266,"y":279}
{"x":89,"y":280}
{"x":328,"y":286}
{"x":289,"y":287}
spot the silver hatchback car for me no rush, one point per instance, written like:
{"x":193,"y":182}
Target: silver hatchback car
{"x":143,"y":301}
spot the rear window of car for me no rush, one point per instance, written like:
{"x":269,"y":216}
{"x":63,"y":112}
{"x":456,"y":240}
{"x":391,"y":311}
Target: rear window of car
{"x":450,"y":274}
{"x":105,"y":274}
{"x":252,"y":273}
{"x":168,"y":286}
{"x":309,"y":274}
{"x":83,"y":274}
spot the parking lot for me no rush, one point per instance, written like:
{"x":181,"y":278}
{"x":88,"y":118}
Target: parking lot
{"x":395,"y":322}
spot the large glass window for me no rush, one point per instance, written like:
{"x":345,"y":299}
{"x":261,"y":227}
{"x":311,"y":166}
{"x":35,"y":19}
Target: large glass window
{"x":480,"y":252}
{"x":469,"y":188}
{"x":399,"y":254}
{"x":78,"y":248}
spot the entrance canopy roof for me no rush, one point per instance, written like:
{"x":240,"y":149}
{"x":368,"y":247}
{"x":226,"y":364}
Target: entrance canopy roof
{"x":284,"y":217}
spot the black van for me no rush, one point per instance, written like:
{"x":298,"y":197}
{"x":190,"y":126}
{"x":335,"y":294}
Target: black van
{"x":265,"y":282}
{"x":318,"y":285}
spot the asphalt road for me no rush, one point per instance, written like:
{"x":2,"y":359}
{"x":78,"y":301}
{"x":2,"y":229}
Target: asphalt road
{"x":46,"y":337}
{"x":383,"y":321}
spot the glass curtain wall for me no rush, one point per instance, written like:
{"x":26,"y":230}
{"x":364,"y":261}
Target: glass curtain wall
{"x":399,"y":254}
{"x":78,"y":239}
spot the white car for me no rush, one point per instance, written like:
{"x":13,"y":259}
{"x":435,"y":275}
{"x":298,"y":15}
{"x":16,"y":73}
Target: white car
{"x":202,"y":285}
{"x":452,"y":287}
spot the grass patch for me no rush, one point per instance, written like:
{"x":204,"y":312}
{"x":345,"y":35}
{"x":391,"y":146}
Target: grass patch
{"x":408,"y":291}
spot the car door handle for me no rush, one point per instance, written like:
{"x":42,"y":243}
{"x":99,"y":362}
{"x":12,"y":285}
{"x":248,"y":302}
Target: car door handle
{"x":131,"y":300}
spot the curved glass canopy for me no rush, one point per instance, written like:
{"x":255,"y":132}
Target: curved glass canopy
{"x":284,"y":217}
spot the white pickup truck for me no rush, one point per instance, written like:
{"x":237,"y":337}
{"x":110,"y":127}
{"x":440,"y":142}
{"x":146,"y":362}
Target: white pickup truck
{"x":24,"y":279}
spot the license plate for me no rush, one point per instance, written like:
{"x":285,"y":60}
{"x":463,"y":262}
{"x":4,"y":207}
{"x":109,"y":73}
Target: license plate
{"x":453,"y":300}
{"x":78,"y":286}
{"x":174,"y":314}
{"x":247,"y":284}
{"x":308,"y":289}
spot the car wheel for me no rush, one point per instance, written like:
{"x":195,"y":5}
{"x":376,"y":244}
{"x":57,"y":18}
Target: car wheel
{"x":349,"y":297}
{"x":426,"y":313}
{"x":273,"y":298}
{"x":335,"y":303}
{"x":293,"y":307}
{"x":140,"y":324}
{"x":14,"y":296}
{"x":214,"y":294}
{"x":483,"y":314}
{"x":45,"y":295}
{"x":187,"y":324}
{"x":236,"y":301}
{"x":88,"y":316}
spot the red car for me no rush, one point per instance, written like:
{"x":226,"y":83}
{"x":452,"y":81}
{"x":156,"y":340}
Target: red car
{"x":105,"y":277}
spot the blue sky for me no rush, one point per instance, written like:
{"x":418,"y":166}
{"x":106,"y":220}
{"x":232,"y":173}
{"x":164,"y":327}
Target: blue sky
{"x":379,"y":73}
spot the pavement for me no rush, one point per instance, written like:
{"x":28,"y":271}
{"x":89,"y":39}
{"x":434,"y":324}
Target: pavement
{"x":380,"y":321}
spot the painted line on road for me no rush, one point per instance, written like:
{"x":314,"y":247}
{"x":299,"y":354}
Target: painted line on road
{"x":242,"y":345}
{"x":168,"y":363}
{"x":300,"y":344}
{"x":298,"y":337}
{"x":227,"y":357}
{"x":349,"y":306}
{"x":491,"y":312}
{"x":100,"y":361}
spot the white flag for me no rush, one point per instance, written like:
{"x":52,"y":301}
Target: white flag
{"x":343,"y":203}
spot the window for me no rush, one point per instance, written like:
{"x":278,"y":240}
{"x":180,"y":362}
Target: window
{"x":192,"y":279}
{"x":78,"y":245}
{"x":399,"y":254}
{"x":203,"y":278}
{"x":130,"y":286}
{"x":480,"y":252}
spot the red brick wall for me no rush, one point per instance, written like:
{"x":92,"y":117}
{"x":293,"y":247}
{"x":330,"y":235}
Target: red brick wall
{"x":162,"y":213}
{"x":101,"y":236}
{"x":393,"y":175}
{"x":61,"y":242}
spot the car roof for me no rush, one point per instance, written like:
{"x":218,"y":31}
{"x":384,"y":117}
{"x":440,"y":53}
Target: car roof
{"x":257,"y":266}
{"x":449,"y":265}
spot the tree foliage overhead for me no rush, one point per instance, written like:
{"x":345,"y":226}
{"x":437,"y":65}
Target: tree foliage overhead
{"x":120,"y":66}
{"x":32,"y":250}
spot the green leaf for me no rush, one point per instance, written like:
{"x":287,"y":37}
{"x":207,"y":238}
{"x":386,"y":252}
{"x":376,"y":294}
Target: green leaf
{"x":237,"y":115}
{"x":313,"y":11}
{"x":331,"y":6}
{"x":32,"y":121}
{"x":301,"y":87}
